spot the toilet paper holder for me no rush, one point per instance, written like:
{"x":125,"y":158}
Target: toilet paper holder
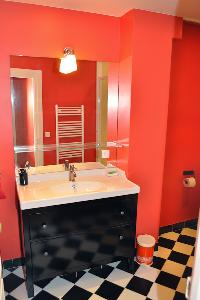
{"x":188,"y":173}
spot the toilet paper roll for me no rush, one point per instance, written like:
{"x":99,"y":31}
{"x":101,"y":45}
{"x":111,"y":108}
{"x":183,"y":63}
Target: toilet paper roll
{"x":189,"y":182}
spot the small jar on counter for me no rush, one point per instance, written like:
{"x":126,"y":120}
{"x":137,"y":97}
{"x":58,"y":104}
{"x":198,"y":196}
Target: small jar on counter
{"x":23,"y":176}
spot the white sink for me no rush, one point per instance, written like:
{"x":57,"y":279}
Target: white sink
{"x":55,"y":189}
{"x":81,"y":187}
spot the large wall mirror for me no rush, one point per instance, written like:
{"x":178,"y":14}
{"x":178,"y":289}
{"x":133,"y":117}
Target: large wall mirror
{"x":63,"y":116}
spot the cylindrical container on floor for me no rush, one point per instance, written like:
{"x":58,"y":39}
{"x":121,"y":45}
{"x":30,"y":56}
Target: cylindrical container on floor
{"x":145,"y":249}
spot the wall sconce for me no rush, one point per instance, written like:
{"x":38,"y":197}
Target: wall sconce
{"x":68,"y":62}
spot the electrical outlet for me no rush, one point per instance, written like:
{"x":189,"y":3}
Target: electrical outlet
{"x":47,"y":134}
{"x":105,"y":153}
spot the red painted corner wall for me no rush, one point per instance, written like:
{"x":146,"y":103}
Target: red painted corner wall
{"x":183,"y":133}
{"x":125,"y":89}
{"x":152,"y":36}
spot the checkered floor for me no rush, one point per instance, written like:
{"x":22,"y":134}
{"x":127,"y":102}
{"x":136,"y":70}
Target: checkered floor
{"x":164,"y":280}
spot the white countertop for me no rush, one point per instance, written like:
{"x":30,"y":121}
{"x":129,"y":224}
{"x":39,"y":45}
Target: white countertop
{"x":54,"y":188}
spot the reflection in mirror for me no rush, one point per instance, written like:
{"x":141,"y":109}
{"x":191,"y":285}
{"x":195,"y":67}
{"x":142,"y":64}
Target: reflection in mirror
{"x":58,"y":117}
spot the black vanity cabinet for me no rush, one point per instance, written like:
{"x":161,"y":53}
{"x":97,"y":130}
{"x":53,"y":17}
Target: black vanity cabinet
{"x":73,"y":237}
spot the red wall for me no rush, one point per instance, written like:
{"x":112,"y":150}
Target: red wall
{"x":112,"y":101}
{"x":19,"y":94}
{"x":23,"y":107}
{"x":146,"y":60}
{"x":30,"y":109}
{"x":43,"y":32}
{"x":125,"y":92}
{"x":72,"y":89}
{"x":152,"y":38}
{"x":183,"y":138}
{"x":112,"y":115}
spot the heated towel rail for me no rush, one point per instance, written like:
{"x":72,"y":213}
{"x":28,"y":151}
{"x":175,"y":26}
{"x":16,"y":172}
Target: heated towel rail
{"x":69,"y":133}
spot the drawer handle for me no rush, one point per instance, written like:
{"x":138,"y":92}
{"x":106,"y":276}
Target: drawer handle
{"x":121,"y":237}
{"x":46,"y":253}
{"x":122,"y":213}
{"x":44,"y":225}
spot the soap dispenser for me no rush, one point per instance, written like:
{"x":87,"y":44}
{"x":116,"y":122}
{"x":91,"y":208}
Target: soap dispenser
{"x":23,"y":176}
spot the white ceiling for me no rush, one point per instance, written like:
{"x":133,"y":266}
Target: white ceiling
{"x":188,"y":9}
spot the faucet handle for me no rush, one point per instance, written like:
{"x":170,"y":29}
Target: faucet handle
{"x":27,"y":164}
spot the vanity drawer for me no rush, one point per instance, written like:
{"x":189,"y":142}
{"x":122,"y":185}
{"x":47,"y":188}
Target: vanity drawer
{"x":78,"y":252}
{"x":82,"y":217}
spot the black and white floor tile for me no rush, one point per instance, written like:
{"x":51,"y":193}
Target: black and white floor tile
{"x":164,"y":280}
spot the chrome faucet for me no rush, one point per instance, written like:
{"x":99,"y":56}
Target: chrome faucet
{"x":72,"y":173}
{"x":66,"y":165}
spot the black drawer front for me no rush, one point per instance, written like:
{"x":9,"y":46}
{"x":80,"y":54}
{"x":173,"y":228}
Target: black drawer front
{"x":81,"y":217}
{"x":78,"y":252}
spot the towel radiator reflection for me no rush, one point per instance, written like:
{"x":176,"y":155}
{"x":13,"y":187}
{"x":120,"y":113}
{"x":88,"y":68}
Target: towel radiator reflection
{"x":69,"y":133}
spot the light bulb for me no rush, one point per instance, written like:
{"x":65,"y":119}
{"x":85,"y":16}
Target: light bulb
{"x":68,"y":64}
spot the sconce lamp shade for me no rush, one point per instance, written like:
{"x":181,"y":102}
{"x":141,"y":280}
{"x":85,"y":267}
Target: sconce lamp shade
{"x":68,"y":62}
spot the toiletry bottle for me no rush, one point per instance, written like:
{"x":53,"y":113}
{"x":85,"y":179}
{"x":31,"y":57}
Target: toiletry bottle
{"x":23,"y":176}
